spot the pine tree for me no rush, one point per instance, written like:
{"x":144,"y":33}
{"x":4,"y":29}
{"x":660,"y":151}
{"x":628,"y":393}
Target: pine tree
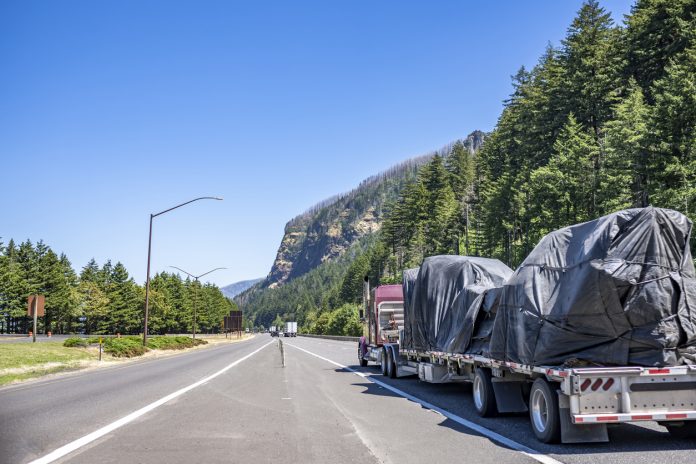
{"x":626,"y":167}
{"x":592,"y":65}
{"x":657,"y":31}
{"x":674,"y":120}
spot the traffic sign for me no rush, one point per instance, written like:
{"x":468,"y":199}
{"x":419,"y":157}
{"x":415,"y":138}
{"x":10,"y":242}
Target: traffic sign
{"x":40,"y":302}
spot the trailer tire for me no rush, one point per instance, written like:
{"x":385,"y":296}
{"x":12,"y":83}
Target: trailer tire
{"x":383,"y":360}
{"x":544,"y":412}
{"x":687,"y":430}
{"x":391,"y":365}
{"x":483,"y":394}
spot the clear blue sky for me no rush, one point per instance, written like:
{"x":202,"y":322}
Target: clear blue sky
{"x":112,"y":110}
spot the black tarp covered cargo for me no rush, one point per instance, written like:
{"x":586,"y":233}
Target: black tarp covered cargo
{"x":619,"y":290}
{"x":409,"y":281}
{"x":437,"y":301}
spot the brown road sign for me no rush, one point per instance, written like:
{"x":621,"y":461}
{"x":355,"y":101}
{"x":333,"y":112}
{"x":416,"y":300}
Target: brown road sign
{"x":40,"y":301}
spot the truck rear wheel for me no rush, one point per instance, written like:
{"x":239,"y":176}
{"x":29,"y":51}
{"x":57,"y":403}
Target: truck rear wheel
{"x":543,"y":411}
{"x":483,"y":394}
{"x":383,"y":362}
{"x":686,"y":430}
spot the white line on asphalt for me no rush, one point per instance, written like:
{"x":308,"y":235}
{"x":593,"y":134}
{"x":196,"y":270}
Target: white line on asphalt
{"x":532,"y":453}
{"x":80,"y":442}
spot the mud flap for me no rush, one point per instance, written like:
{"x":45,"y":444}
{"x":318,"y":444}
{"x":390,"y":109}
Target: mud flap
{"x":509,"y":396}
{"x":574,"y":433}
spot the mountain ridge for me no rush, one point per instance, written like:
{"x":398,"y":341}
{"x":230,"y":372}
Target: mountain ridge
{"x":232,"y":290}
{"x":327,"y":229}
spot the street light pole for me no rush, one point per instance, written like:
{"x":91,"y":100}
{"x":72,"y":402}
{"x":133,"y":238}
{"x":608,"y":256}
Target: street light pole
{"x":149,"y":251}
{"x":195,"y":294}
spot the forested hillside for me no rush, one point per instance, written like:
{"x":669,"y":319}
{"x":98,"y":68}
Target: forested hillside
{"x":100,"y":300}
{"x":606,"y":120}
{"x":328,"y":229}
{"x":321,"y":244}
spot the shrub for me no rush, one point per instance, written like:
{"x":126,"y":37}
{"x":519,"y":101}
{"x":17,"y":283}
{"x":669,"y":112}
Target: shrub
{"x":75,"y":341}
{"x":173,"y":343}
{"x":124,"y":347}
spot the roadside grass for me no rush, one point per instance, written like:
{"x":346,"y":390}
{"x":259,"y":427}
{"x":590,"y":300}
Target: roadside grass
{"x":22,"y":361}
{"x":19,"y":361}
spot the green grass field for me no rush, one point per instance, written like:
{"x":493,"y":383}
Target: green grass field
{"x":19,"y":361}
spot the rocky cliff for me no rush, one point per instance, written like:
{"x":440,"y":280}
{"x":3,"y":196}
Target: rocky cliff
{"x":329,"y":228}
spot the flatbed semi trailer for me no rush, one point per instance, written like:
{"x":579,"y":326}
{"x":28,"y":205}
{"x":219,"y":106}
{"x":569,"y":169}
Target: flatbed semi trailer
{"x":570,"y":405}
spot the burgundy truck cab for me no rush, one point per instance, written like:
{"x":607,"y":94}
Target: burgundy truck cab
{"x":387,"y":315}
{"x":385,"y":318}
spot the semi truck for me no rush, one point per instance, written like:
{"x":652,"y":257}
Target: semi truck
{"x":615,"y":270}
{"x":573,"y":405}
{"x":291,"y":329}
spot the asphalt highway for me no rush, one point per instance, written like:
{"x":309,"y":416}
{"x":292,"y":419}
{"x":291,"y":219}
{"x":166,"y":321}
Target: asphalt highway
{"x":237,"y":403}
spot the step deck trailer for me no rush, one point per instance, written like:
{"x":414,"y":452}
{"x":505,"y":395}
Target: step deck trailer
{"x":571,"y":405}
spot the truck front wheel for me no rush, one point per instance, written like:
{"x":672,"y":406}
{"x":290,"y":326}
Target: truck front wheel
{"x":391,"y":365}
{"x":484,"y":396}
{"x":361,"y":360}
{"x":543,"y":411}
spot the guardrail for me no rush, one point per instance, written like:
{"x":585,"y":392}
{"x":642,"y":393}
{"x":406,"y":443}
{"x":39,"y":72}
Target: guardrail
{"x":332,"y":337}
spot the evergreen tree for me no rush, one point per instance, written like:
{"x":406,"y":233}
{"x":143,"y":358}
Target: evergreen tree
{"x":674,"y":120}
{"x":627,"y":164}
{"x":592,"y":65}
{"x":656,"y":32}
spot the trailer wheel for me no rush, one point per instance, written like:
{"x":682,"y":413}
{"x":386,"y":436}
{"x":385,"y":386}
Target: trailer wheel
{"x":383,"y":362}
{"x":543,"y":411}
{"x":687,"y":430}
{"x":483,"y":394}
{"x":391,"y":365}
{"x":361,"y":360}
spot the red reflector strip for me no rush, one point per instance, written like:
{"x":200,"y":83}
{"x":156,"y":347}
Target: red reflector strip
{"x":579,"y":419}
{"x":658,"y":371}
{"x":641,"y":417}
{"x":607,"y":418}
{"x":676,"y":416}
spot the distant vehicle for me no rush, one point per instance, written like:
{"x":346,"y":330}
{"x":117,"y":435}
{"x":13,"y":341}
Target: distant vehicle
{"x":273,"y":331}
{"x":291,"y":329}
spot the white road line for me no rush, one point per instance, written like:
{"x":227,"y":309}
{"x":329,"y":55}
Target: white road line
{"x":80,"y":442}
{"x":532,"y":453}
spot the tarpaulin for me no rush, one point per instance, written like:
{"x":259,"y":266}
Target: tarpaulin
{"x":619,"y":290}
{"x":436,"y":302}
